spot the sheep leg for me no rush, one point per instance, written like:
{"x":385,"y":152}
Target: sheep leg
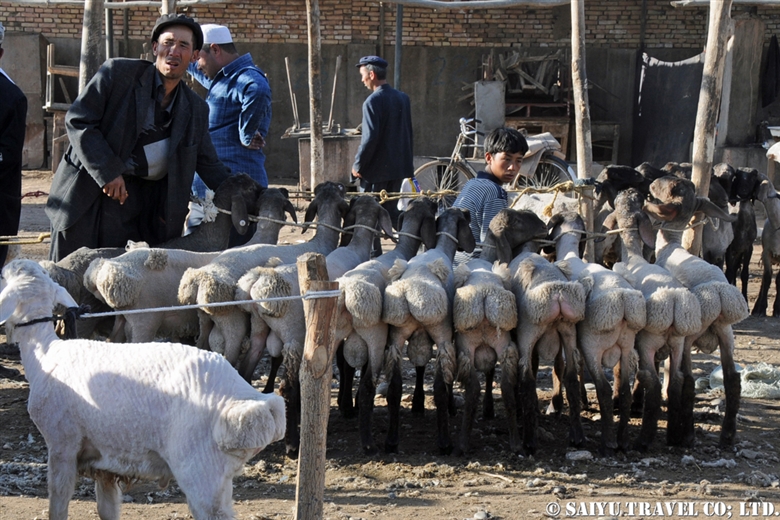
{"x":418,"y":400}
{"x":257,"y":342}
{"x":776,"y":306}
{"x":509,"y":390}
{"x":118,"y":330}
{"x":441,"y":396}
{"x":366,"y":409}
{"x":732,"y":383}
{"x":276,"y":362}
{"x":687,"y":398}
{"x":623,"y":383}
{"x":108,"y":497}
{"x":205,"y":325}
{"x":472,"y":390}
{"x":674,"y":382}
{"x":744,"y":263}
{"x":556,"y":403}
{"x":592,"y":354}
{"x":488,"y":408}
{"x":649,"y":385}
{"x":346,"y":379}
{"x":571,"y":381}
{"x":61,"y":476}
{"x":394,"y":391}
{"x":759,"y":308}
{"x":526,"y":386}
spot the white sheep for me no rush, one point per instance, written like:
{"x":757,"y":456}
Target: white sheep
{"x":148,"y":278}
{"x":145,"y":411}
{"x":614,"y":313}
{"x":673,"y":313}
{"x":360,"y":314}
{"x":419,"y":300}
{"x":674,"y":202}
{"x":548,"y":309}
{"x":223,"y":329}
{"x":281,"y":322}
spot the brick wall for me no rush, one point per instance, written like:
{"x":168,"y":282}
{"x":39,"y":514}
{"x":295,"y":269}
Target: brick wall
{"x":609,"y":23}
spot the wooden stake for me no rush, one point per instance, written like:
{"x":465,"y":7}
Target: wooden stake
{"x":315,"y":378}
{"x":91,"y":40}
{"x":315,"y":91}
{"x":720,"y":29}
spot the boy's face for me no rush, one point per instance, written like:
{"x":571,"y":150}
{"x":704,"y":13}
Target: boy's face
{"x":503,"y":165}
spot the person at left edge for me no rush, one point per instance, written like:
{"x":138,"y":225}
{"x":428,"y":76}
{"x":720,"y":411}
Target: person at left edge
{"x":137,"y":134}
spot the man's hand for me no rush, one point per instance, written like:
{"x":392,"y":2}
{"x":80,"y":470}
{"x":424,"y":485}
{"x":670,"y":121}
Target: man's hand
{"x":257,"y":141}
{"x":356,"y":174}
{"x":116,"y":189}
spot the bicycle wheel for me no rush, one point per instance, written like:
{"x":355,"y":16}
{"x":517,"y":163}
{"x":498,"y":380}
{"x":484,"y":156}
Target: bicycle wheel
{"x":550,"y":171}
{"x":439,"y":176}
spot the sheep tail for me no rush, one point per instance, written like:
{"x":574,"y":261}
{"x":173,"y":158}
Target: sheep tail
{"x":635,"y":308}
{"x":475,"y":303}
{"x":550,"y":300}
{"x":188,"y":287}
{"x":605,"y":310}
{"x":250,"y":424}
{"x":120,"y":285}
{"x":721,"y":300}
{"x":687,"y":313}
{"x":398,"y":269}
{"x":427,"y":301}
{"x":363,"y":300}
{"x":271,"y":284}
{"x":395,"y":310}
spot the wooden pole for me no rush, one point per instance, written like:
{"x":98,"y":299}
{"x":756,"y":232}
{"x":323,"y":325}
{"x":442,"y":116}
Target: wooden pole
{"x":579,"y":81}
{"x":399,"y":37}
{"x":91,"y":40}
{"x":720,"y":29}
{"x":315,"y":91}
{"x":315,"y":378}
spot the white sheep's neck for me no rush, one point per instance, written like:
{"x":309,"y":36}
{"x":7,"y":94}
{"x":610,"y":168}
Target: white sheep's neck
{"x":668,"y":237}
{"x":632,"y":245}
{"x":567,"y":245}
{"x":772,"y":207}
{"x":447,"y":245}
{"x":407,"y":247}
{"x":34,"y":341}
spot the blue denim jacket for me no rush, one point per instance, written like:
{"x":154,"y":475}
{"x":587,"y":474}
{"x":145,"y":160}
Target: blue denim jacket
{"x":239,"y":101}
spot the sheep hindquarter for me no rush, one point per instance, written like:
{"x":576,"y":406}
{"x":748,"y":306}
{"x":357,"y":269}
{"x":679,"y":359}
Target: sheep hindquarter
{"x":151,"y":411}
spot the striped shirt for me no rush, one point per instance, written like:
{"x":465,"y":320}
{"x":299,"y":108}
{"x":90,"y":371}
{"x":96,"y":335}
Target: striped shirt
{"x":484,"y":198}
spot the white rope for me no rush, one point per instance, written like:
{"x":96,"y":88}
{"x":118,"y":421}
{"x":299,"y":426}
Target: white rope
{"x":311,"y":295}
{"x":209,"y":209}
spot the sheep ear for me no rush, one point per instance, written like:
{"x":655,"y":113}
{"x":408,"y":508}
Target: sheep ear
{"x":289,"y":208}
{"x":646,"y":231}
{"x":400,"y":220}
{"x":7,"y":304}
{"x":62,"y":297}
{"x":428,"y":232}
{"x":707,"y":207}
{"x":349,"y":220}
{"x":554,"y":221}
{"x":466,"y":240}
{"x":609,"y":224}
{"x":308,"y":218}
{"x":503,"y":249}
{"x":238,"y":214}
{"x":285,"y":192}
{"x":386,"y":223}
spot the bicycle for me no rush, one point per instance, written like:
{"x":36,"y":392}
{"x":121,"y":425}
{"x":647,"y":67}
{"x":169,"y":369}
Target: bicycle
{"x":544,"y":159}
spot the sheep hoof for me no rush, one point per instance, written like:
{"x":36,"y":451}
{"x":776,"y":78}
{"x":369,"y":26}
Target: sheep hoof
{"x":576,"y":438}
{"x":445,"y":450}
{"x":458,"y":452}
{"x":391,"y":448}
{"x":641,"y":446}
{"x":292,"y":452}
{"x":606,"y":451}
{"x":552,"y":410}
{"x":373,"y":450}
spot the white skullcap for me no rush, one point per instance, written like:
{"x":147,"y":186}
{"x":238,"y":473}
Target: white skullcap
{"x":2,"y":33}
{"x":213,"y":33}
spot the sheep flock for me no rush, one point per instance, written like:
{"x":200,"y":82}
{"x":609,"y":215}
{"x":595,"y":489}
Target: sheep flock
{"x":635,"y":320}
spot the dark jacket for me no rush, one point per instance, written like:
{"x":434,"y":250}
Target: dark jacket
{"x":385,"y":152}
{"x":103,"y":126}
{"x":13,"y":121}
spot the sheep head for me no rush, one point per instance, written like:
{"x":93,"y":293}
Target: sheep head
{"x":28,"y":293}
{"x":420,"y":219}
{"x":674,"y":201}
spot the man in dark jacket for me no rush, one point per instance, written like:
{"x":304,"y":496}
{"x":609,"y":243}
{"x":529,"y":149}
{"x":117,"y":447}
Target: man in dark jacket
{"x":13,"y":123}
{"x":137,"y":134}
{"x":384,"y":158}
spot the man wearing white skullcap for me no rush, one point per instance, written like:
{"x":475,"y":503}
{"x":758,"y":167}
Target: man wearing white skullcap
{"x":239,"y":99}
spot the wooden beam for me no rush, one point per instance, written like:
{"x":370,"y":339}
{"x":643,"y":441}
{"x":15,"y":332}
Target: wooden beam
{"x":91,"y":40}
{"x":720,"y":29}
{"x":315,"y":91}
{"x":706,"y":3}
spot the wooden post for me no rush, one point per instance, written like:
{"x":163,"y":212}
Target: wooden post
{"x":579,"y":80}
{"x":720,"y":28}
{"x":315,"y":378}
{"x":91,"y":39}
{"x":315,"y":90}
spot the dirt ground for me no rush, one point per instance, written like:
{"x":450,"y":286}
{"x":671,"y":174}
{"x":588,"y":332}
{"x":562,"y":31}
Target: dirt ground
{"x":490,"y":482}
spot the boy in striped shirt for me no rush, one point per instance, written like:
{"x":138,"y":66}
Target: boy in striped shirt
{"x":484,"y":196}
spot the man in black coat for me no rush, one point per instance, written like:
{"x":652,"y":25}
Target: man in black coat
{"x":13,"y":123}
{"x":137,"y":135}
{"x":384,"y":158}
